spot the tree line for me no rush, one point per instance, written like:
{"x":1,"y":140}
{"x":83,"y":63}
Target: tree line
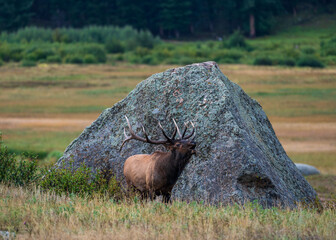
{"x":167,"y":18}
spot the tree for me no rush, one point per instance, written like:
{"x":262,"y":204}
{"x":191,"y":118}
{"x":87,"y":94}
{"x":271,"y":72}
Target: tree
{"x":175,"y":16}
{"x":260,"y":14}
{"x":15,"y":13}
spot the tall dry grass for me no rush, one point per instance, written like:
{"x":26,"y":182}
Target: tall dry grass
{"x":33,"y":214}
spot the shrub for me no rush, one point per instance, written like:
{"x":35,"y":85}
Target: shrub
{"x":1,"y":62}
{"x":114,"y":46}
{"x":146,"y":39}
{"x":237,"y":39}
{"x":89,"y":59}
{"x":141,"y":51}
{"x":266,"y":61}
{"x":286,"y":62}
{"x":309,"y":61}
{"x":36,"y":53}
{"x":73,"y":59}
{"x":328,"y":48}
{"x":80,"y":181}
{"x":308,"y":50}
{"x":28,"y":63}
{"x":11,"y":52}
{"x":19,"y":173}
{"x":54,"y":59}
{"x":95,"y":50}
{"x":228,"y":56}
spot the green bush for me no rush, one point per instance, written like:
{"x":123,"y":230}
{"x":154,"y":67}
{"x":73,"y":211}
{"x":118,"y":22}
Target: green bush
{"x":73,"y":59}
{"x":54,"y":59}
{"x":95,"y":50}
{"x":11,"y":52}
{"x":114,"y":46}
{"x":309,"y":61}
{"x":237,"y":40}
{"x":228,"y":56}
{"x":308,"y":50}
{"x":19,"y":173}
{"x":328,"y":48}
{"x":90,"y":34}
{"x":145,"y":39}
{"x":286,"y":62}
{"x":89,"y":59}
{"x":28,"y":63}
{"x":265,"y":61}
{"x":1,"y":62}
{"x":81,"y":181}
{"x":37,"y":53}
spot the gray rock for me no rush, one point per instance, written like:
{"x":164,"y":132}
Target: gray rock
{"x":306,"y":169}
{"x":239,"y":156}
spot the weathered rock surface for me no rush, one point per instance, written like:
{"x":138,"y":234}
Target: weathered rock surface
{"x":239,"y":156}
{"x":306,"y":169}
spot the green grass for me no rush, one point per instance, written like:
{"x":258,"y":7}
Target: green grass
{"x":38,"y":141}
{"x":311,"y":94}
{"x":34,"y":214}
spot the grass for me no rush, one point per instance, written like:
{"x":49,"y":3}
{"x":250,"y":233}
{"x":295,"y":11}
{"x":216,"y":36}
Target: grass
{"x":35,"y":214}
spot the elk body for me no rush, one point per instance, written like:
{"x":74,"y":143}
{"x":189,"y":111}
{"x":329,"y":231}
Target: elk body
{"x":156,"y":174}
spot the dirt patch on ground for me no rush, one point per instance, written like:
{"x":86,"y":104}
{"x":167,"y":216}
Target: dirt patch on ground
{"x":295,"y":137}
{"x":44,"y":123}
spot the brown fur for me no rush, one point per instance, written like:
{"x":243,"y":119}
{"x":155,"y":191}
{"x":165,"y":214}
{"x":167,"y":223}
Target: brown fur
{"x":156,"y":174}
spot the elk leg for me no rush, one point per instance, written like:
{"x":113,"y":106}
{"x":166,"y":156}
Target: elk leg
{"x":166,"y":197}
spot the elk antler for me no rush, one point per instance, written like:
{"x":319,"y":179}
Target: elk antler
{"x":146,"y":139}
{"x":192,"y":132}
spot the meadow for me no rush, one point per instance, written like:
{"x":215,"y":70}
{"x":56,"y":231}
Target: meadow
{"x":43,"y":108}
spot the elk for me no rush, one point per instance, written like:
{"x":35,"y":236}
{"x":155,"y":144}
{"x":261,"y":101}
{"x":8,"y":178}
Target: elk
{"x":156,"y":174}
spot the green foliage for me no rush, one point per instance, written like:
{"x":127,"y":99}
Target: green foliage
{"x":81,"y":181}
{"x":96,"y":51}
{"x":19,"y":173}
{"x":328,"y":48}
{"x":286,"y":62}
{"x":114,"y":46}
{"x":308,"y":50}
{"x":54,"y":59}
{"x":90,"y":34}
{"x":73,"y":59}
{"x":265,"y":61}
{"x":236,"y":40}
{"x":1,"y":62}
{"x":11,"y":52}
{"x":15,"y":14}
{"x":28,"y":63}
{"x":228,"y":56}
{"x":89,"y":59}
{"x":310,"y":61}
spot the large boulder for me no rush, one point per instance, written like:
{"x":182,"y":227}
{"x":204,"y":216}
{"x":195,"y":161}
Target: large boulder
{"x":239,"y":156}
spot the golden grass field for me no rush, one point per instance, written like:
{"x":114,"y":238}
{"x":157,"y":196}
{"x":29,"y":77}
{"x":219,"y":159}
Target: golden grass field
{"x":43,"y":108}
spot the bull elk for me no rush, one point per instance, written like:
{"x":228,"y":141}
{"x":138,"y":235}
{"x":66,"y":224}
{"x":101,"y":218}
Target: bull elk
{"x":156,"y":174}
